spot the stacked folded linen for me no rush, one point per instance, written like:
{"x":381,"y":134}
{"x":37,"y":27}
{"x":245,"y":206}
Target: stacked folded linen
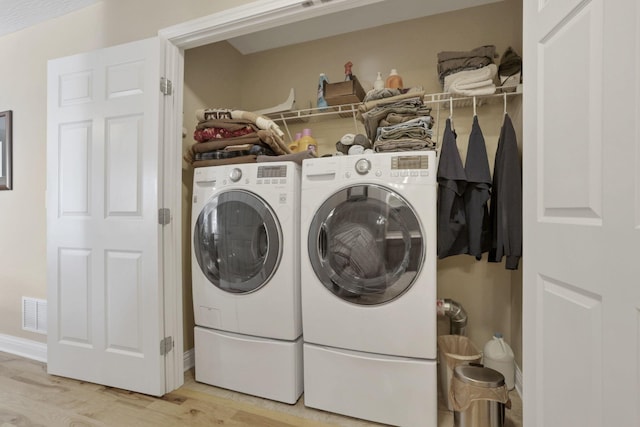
{"x":480,"y":81}
{"x":450,"y":62}
{"x":294,"y":157}
{"x":391,"y":111}
{"x":226,"y":136}
{"x":399,"y":122}
{"x":414,"y":134}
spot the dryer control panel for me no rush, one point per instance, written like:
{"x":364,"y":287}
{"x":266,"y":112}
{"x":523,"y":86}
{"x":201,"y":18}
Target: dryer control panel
{"x":415,"y":165}
{"x":410,"y":162}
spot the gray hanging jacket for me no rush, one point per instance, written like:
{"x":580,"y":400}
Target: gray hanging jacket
{"x":477,"y":193}
{"x":506,"y":200}
{"x":452,"y":224}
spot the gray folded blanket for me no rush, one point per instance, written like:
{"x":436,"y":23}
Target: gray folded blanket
{"x":295,"y":157}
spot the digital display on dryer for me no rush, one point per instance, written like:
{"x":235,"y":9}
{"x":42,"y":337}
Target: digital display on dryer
{"x":272,"y":171}
{"x":410,"y":162}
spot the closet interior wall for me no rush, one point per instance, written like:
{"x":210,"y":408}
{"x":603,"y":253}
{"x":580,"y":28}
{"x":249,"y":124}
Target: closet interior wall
{"x":219,"y":76}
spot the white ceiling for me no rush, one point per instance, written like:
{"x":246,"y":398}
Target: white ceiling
{"x":346,"y":21}
{"x":16,"y":15}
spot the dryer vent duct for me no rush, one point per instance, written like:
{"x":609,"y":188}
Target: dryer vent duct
{"x":456,"y":314}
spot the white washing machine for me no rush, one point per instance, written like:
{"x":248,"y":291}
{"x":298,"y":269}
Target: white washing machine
{"x":246,"y":278}
{"x":369,"y":286}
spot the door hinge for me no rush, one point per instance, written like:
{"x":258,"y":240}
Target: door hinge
{"x":165,"y":86}
{"x":166,"y":345}
{"x":164,"y":216}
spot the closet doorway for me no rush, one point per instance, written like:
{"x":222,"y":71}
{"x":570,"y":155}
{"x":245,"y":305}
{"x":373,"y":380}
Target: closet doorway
{"x":581,"y":303}
{"x":217,"y":30}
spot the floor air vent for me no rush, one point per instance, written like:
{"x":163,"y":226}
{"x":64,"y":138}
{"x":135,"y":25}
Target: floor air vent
{"x":34,"y":315}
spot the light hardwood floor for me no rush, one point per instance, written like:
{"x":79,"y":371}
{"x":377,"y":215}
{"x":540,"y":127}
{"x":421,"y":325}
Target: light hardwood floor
{"x":29,"y":397}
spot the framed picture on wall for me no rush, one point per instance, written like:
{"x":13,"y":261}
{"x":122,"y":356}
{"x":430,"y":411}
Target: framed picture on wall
{"x":5,"y":150}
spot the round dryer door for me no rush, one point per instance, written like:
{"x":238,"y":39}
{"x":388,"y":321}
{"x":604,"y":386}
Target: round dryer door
{"x":366,"y":244}
{"x":237,"y":241}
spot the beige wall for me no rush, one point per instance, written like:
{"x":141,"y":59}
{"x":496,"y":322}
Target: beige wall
{"x":23,"y":90}
{"x":484,"y":289}
{"x":210,"y":79}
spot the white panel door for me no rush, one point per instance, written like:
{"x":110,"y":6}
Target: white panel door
{"x":103,"y":247}
{"x":581,"y":145}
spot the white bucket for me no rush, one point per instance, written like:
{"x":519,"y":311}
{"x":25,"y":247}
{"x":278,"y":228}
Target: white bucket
{"x":499,"y":356}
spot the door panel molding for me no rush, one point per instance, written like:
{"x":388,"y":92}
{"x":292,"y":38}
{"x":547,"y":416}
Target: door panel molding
{"x":570,"y":357}
{"x":571,"y":115}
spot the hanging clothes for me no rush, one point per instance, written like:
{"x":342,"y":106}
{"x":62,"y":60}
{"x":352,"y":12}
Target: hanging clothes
{"x":506,"y":199}
{"x":452,"y":225}
{"x":477,"y":193}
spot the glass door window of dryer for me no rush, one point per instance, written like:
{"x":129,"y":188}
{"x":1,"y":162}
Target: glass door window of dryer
{"x":366,"y":244}
{"x":237,"y":241}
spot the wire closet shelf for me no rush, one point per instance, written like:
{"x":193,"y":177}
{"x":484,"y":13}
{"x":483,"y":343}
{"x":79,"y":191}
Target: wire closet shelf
{"x":438,"y":101}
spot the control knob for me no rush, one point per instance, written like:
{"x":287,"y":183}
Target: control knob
{"x":363,"y":166}
{"x":235,"y":174}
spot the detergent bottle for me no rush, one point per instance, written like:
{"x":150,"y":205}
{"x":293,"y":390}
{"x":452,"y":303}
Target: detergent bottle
{"x":378,"y":84}
{"x":294,"y":145}
{"x":307,"y":142}
{"x":499,"y":356}
{"x":394,"y":81}
{"x":322,"y":103}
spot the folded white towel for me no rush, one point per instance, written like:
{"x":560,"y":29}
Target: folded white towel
{"x":480,"y":79}
{"x":485,"y":90}
{"x":459,"y":85}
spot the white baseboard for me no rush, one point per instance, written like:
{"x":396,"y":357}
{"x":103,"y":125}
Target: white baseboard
{"x":519,"y":380}
{"x":23,"y":347}
{"x":38,"y":351}
{"x":189,"y":359}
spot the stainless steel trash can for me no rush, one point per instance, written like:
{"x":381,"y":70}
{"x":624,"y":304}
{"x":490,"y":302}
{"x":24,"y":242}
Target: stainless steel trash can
{"x":479,"y":396}
{"x":454,"y":350}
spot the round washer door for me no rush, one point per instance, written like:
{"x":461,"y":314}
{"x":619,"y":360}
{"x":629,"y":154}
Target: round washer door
{"x":237,"y":241}
{"x":366,"y":244}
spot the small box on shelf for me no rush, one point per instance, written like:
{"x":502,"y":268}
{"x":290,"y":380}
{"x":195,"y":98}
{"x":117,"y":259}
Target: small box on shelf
{"x":346,"y":92}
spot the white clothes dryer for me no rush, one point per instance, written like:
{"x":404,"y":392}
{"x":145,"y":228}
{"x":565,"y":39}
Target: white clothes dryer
{"x":246,"y":278}
{"x":369,"y":286}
